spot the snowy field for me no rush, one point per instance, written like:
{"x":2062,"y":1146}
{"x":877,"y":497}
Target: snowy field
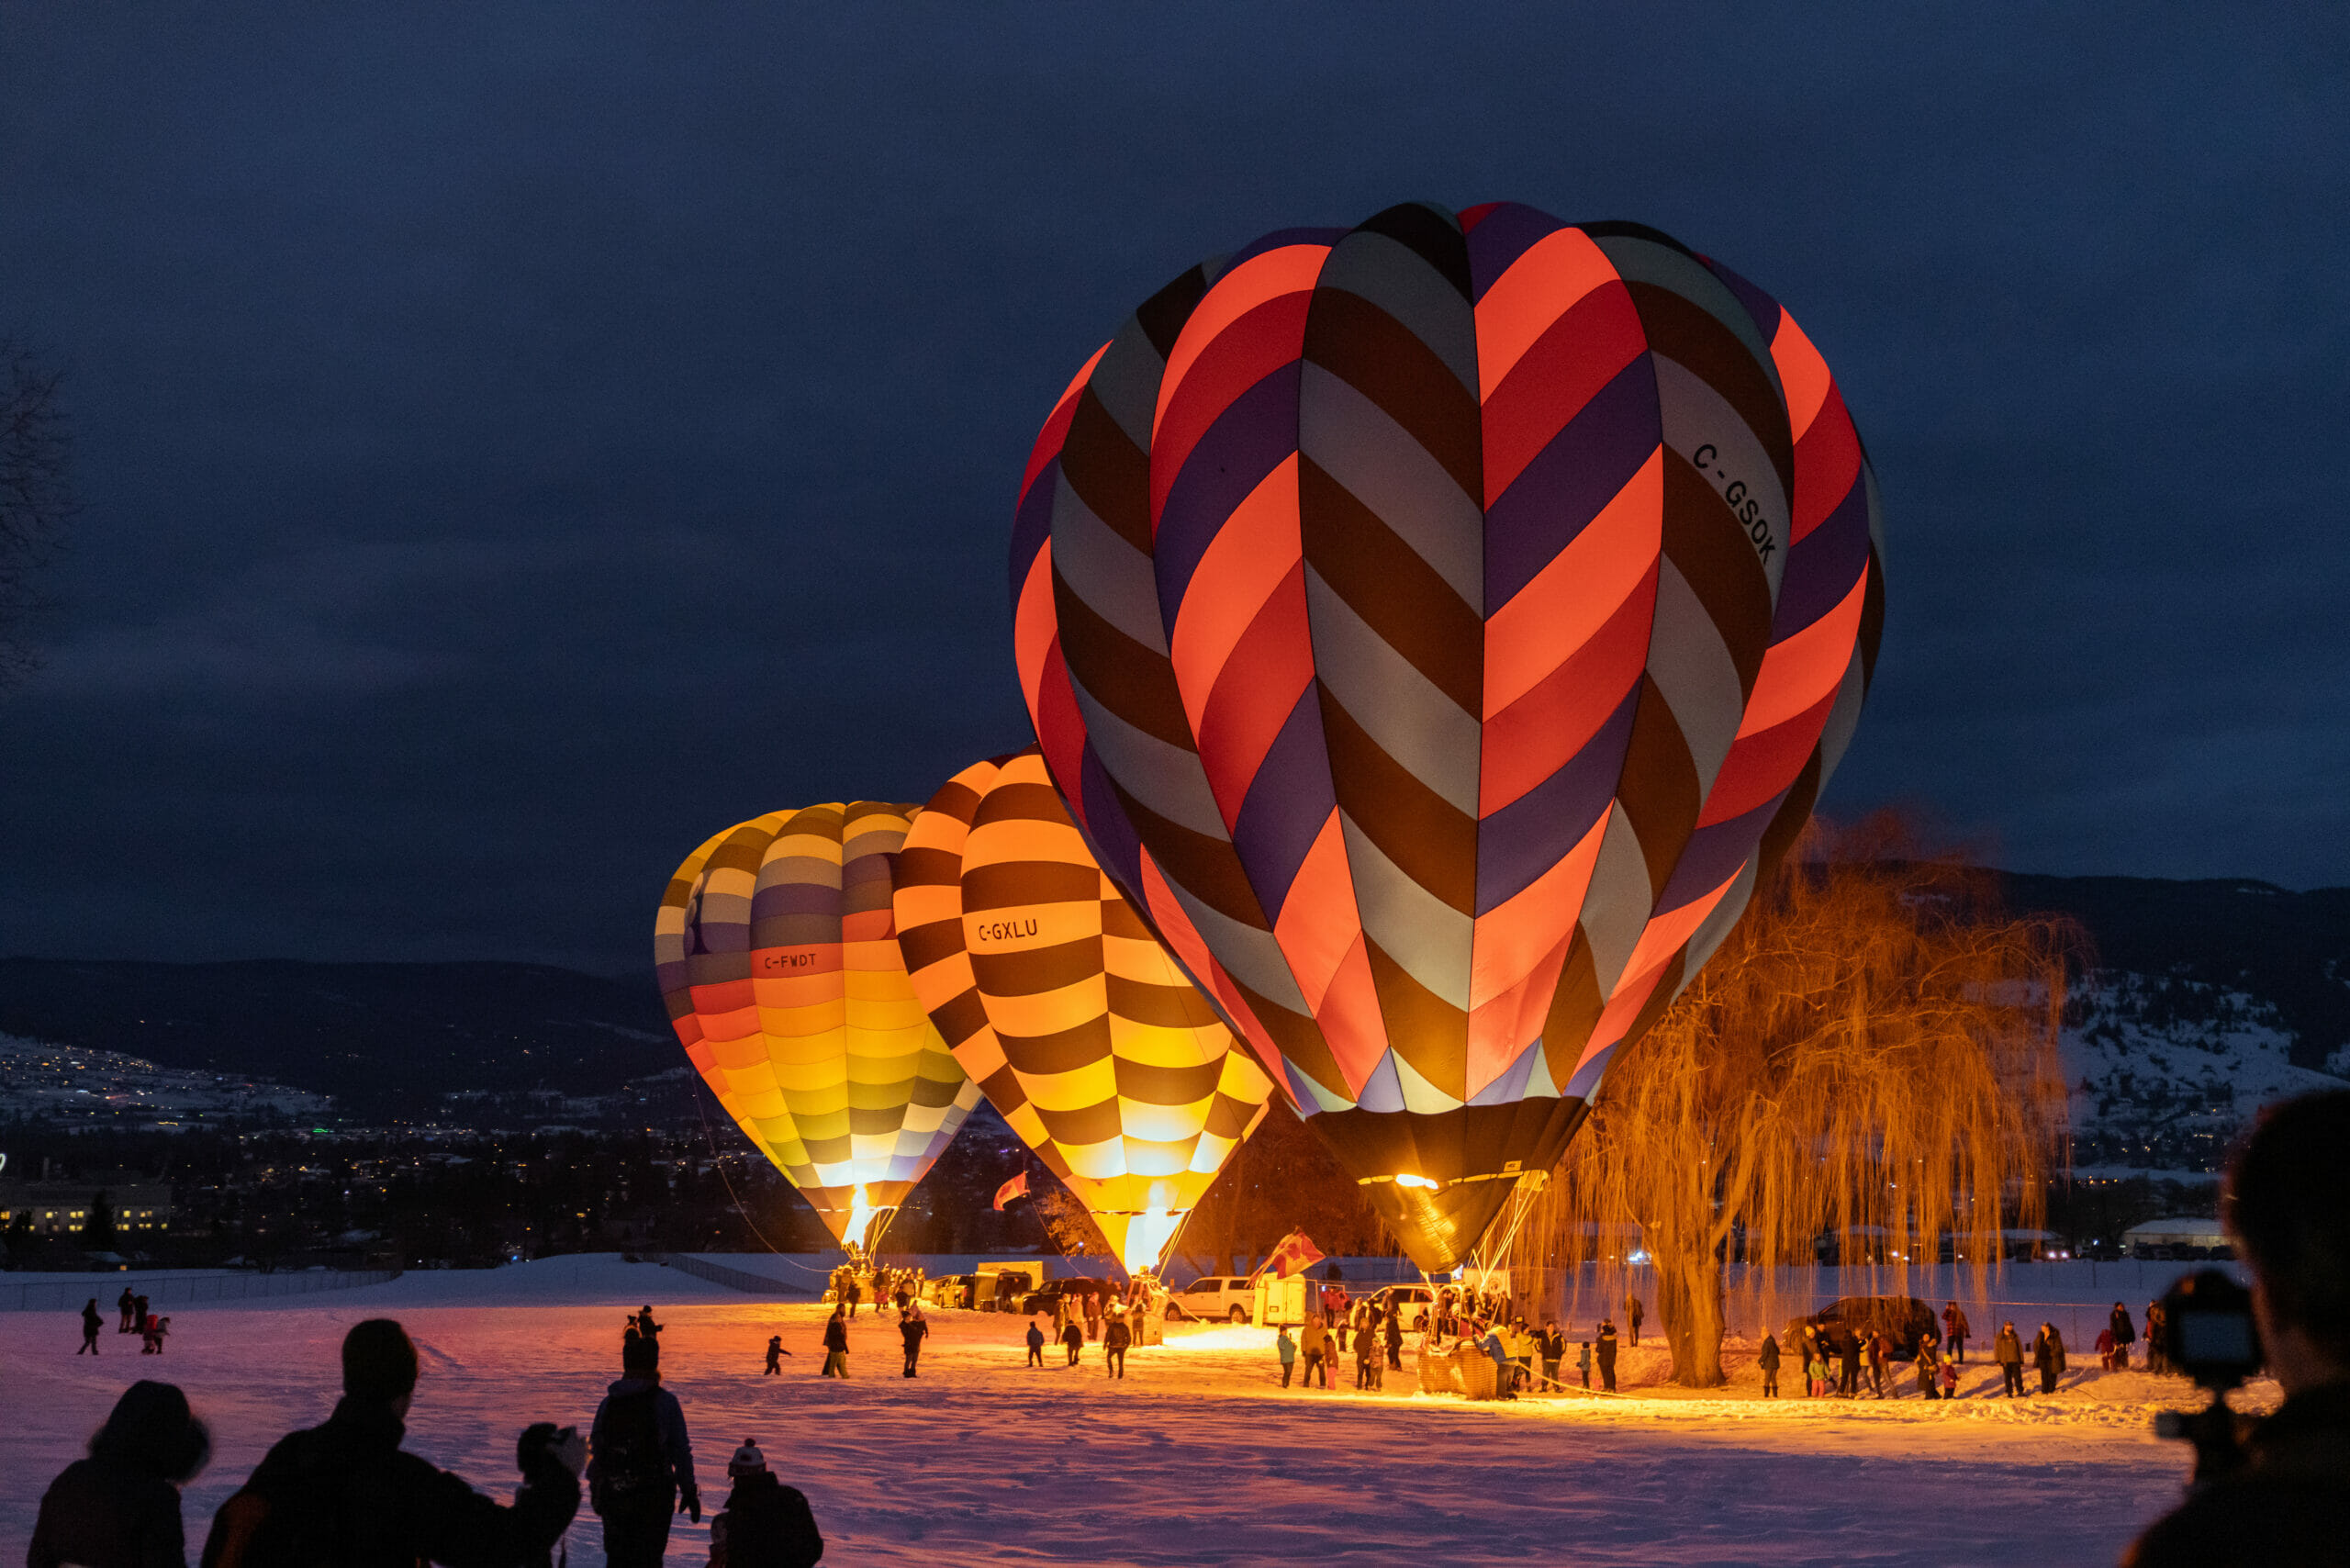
{"x":1198,"y":1457}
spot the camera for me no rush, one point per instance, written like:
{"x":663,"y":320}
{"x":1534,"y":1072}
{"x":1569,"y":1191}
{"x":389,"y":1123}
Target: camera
{"x":2208,"y":1334}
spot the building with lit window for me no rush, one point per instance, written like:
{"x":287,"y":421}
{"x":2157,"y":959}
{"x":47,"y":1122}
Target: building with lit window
{"x":141,"y":1207}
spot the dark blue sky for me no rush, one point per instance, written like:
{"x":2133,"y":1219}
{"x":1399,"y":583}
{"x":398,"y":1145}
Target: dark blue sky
{"x":519,"y":440}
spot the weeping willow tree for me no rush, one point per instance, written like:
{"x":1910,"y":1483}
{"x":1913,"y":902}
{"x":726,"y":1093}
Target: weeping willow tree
{"x":1870,"y":1057}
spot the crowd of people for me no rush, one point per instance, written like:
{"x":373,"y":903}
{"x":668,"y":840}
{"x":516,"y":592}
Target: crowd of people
{"x":1840,"y":1361}
{"x":347,"y":1492}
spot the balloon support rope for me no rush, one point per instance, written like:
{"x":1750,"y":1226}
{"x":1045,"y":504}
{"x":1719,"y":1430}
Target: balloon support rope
{"x":718,"y":1165}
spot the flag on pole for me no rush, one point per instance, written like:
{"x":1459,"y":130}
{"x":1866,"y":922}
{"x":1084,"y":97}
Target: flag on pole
{"x":1016,"y":1188}
{"x":1295,"y":1254}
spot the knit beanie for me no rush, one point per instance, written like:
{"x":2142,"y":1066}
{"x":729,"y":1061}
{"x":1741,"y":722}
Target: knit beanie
{"x":378,"y":1360}
{"x":748,"y":1460}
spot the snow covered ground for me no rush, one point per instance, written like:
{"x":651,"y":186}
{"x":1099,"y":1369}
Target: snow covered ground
{"x":1197,"y":1457}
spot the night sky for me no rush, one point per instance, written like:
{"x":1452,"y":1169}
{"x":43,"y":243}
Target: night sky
{"x":519,"y":440}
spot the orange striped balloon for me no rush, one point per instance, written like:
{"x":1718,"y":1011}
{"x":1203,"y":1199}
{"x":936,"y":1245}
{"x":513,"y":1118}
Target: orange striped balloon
{"x":1076,"y":1022}
{"x":778,"y":955}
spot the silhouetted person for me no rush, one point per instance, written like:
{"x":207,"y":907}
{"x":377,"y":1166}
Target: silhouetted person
{"x":765,"y":1523}
{"x":1604,"y":1346}
{"x":120,"y":1508}
{"x":640,"y":1463}
{"x":2287,"y":1203}
{"x":125,"y":1303}
{"x":776,"y":1352}
{"x":347,"y":1493}
{"x":91,"y":1323}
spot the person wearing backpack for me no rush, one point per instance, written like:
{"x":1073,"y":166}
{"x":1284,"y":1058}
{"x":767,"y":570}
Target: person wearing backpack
{"x":765,"y":1523}
{"x":347,"y":1494}
{"x":913,"y":1328}
{"x":640,"y":1462}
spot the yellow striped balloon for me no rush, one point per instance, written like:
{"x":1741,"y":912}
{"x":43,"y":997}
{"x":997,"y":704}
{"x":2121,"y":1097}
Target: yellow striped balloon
{"x":1053,"y":995}
{"x":778,"y":955}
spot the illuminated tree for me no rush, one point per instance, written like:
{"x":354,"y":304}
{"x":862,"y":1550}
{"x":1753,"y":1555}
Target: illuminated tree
{"x":1869,"y":1061}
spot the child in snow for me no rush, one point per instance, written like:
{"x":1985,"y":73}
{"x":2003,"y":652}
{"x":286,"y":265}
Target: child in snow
{"x":2105,"y":1348}
{"x":1286,"y":1348}
{"x":776,"y":1352}
{"x":1949,"y":1377}
{"x":1072,"y":1339}
{"x":1035,"y":1344}
{"x":1583,"y":1364}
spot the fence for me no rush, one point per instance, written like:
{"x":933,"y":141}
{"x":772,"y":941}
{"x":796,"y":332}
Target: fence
{"x":61,"y":1295}
{"x":732,"y":1279}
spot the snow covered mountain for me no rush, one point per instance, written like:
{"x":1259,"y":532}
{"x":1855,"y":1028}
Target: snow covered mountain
{"x":2199,"y":1003}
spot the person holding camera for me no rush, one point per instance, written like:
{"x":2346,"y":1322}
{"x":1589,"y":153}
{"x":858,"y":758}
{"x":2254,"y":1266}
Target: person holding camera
{"x":2287,"y":1203}
{"x":348,"y":1494}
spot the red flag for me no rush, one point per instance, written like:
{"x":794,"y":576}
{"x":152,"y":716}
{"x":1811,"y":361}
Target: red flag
{"x":1016,"y":1188}
{"x":1295,"y":1254}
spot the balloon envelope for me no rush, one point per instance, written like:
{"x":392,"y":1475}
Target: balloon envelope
{"x":777,"y":956}
{"x":1439,"y":628}
{"x":1074,"y":1018}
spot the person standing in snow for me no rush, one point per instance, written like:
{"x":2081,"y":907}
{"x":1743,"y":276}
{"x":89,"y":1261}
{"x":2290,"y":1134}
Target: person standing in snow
{"x":1848,"y":1354}
{"x":1286,"y":1349}
{"x":1766,"y":1361}
{"x":765,"y":1523}
{"x":1072,"y":1340}
{"x":2157,"y":1321}
{"x":120,"y":1508}
{"x":852,"y":1294}
{"x":1605,"y":1350}
{"x":1392,"y":1332}
{"x":1632,"y":1315}
{"x":640,"y":1463}
{"x":91,"y":1323}
{"x":1035,"y":1344}
{"x":2007,"y":1348}
{"x":1553,"y":1343}
{"x":912,"y":1328}
{"x":1954,"y":1332}
{"x":776,"y":1352}
{"x":2125,"y":1334}
{"x":138,"y":1315}
{"x":124,"y":1304}
{"x":1317,"y":1347}
{"x":347,"y":1492}
{"x":1115,"y":1340}
{"x":1365,"y":1357}
{"x":836,"y":1342}
{"x":2048,"y":1356}
{"x":1929,"y":1365}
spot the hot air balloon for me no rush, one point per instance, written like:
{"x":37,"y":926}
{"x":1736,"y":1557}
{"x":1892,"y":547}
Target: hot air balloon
{"x":1439,"y":628}
{"x":777,"y":956}
{"x":1075,"y":1021}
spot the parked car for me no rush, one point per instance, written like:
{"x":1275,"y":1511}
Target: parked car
{"x":1902,"y":1318}
{"x":1042,"y":1298}
{"x":1415,"y":1303}
{"x":1231,"y":1297}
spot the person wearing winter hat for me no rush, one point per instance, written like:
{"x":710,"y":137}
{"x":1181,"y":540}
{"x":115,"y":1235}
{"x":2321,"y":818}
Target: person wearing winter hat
{"x":348,"y":1493}
{"x":120,"y":1508}
{"x":765,"y":1523}
{"x":640,"y":1463}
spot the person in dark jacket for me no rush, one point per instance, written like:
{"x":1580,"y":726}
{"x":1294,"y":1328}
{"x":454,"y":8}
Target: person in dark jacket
{"x":2007,"y":1348}
{"x":1632,"y":1317}
{"x":1392,"y":1331}
{"x":1954,"y":1332}
{"x":1929,"y":1371}
{"x":765,"y":1523}
{"x":776,"y":1352}
{"x":1035,"y":1344}
{"x":1115,"y":1338}
{"x":1847,"y":1355}
{"x":913,"y":1328}
{"x":837,"y":1343}
{"x":2048,"y":1356}
{"x":1072,"y":1339}
{"x":120,"y":1508}
{"x":1603,"y":1348}
{"x":124,"y":1303}
{"x":91,"y":1323}
{"x":1766,"y":1361}
{"x":640,"y":1463}
{"x":2286,"y":1205}
{"x":2125,"y":1334}
{"x":347,"y":1493}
